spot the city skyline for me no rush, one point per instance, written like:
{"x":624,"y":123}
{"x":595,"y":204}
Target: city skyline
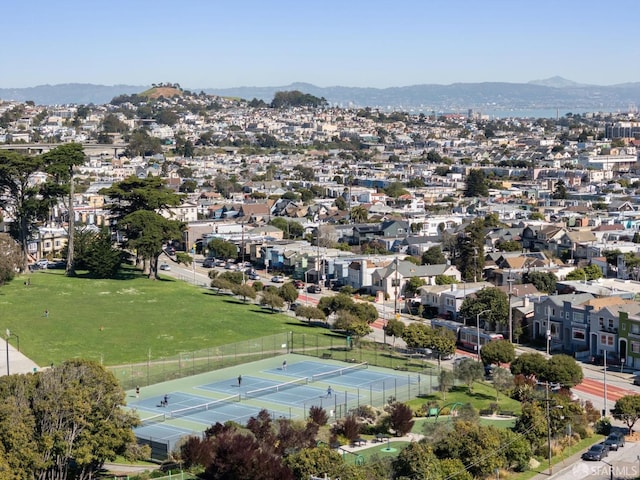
{"x":356,"y":44}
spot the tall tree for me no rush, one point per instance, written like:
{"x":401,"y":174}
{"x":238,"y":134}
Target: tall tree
{"x":146,"y":234}
{"x":490,"y":298}
{"x":69,"y":421}
{"x":222,"y":249}
{"x":470,"y":249}
{"x":359,"y":214}
{"x":627,"y":410}
{"x":476,"y":184}
{"x":310,"y":313}
{"x":543,"y":281}
{"x":446,"y":381}
{"x":394,"y":328}
{"x":21,"y":198}
{"x":60,"y":163}
{"x":560,"y":191}
{"x":498,"y":352}
{"x":101,"y":258}
{"x":468,"y":371}
{"x":433,"y":256}
{"x":134,"y":193}
{"x":138,"y":204}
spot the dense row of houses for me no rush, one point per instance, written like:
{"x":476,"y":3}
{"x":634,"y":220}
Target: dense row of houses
{"x":527,"y":159}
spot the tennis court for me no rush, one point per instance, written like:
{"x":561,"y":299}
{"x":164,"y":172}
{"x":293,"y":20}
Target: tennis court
{"x":195,"y":403}
{"x":358,"y":375}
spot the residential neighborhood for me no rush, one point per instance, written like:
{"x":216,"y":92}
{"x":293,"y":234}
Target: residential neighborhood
{"x":366,"y":190}
{"x":483,"y":231}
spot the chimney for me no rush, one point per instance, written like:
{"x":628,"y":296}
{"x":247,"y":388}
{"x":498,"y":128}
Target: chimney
{"x":454,"y":287}
{"x":525,"y":302}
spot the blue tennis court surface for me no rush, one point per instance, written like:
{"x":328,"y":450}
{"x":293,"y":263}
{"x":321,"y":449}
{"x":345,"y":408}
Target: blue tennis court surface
{"x":285,"y":391}
{"x":358,"y":376}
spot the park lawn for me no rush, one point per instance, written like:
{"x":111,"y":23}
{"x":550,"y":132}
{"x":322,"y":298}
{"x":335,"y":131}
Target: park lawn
{"x":418,"y":426}
{"x":127,"y":320}
{"x":481,"y":398}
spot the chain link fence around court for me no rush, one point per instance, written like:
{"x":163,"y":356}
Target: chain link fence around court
{"x":347,"y":349}
{"x":201,"y":361}
{"x":315,"y":345}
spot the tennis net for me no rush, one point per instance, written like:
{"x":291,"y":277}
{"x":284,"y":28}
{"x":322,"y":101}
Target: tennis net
{"x":145,"y":422}
{"x":183,"y":412}
{"x":339,"y":372}
{"x":276,"y":388}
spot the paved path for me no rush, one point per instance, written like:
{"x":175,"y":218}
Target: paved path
{"x":18,"y":362}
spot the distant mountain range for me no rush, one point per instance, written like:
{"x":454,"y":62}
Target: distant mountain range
{"x":552,"y":93}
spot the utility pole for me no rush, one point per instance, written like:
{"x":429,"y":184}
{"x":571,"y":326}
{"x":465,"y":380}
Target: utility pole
{"x":604,"y":383}
{"x":475,"y":265}
{"x":548,"y":428}
{"x":510,"y":282}
{"x":395,"y":295}
{"x":242,"y":246}
{"x":318,"y":254}
{"x":478,"y":330}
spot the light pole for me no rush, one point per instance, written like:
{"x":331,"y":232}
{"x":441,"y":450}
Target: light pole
{"x":8,"y":335}
{"x":510,"y":280}
{"x":548,"y":332}
{"x":478,"y":329}
{"x":610,"y":469}
{"x":604,"y":385}
{"x":548,"y":401}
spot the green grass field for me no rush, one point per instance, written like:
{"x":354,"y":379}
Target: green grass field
{"x":481,"y":398}
{"x":128,"y":320}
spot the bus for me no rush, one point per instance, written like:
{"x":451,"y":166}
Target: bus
{"x":466,"y":337}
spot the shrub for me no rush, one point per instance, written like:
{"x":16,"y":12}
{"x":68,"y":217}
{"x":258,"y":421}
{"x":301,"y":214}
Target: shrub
{"x":318,"y":415}
{"x":400,"y":418}
{"x":349,"y":428}
{"x":603,"y":426}
{"x":365,"y":411}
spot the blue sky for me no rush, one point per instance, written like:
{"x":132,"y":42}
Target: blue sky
{"x":375,"y":43}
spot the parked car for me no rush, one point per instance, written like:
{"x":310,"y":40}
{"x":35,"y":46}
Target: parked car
{"x":314,"y":289}
{"x":298,"y":283}
{"x":614,"y":441}
{"x":59,"y":265}
{"x":294,"y":306}
{"x":597,"y":452}
{"x":209,"y":262}
{"x":40,"y":265}
{"x":165,"y":266}
{"x":254,"y":276}
{"x":277,"y":279}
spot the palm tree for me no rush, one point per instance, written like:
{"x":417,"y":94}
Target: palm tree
{"x":359,"y":214}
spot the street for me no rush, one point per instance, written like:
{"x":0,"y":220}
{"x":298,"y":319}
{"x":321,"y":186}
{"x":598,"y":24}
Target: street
{"x":625,"y":463}
{"x":592,"y":387}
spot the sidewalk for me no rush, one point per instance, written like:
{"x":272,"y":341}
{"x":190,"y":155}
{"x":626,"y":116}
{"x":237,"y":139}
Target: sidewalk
{"x":18,"y":362}
{"x":409,"y":437}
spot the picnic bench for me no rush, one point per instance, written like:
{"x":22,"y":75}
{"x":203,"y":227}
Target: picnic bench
{"x":358,"y":442}
{"x":381,"y":437}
